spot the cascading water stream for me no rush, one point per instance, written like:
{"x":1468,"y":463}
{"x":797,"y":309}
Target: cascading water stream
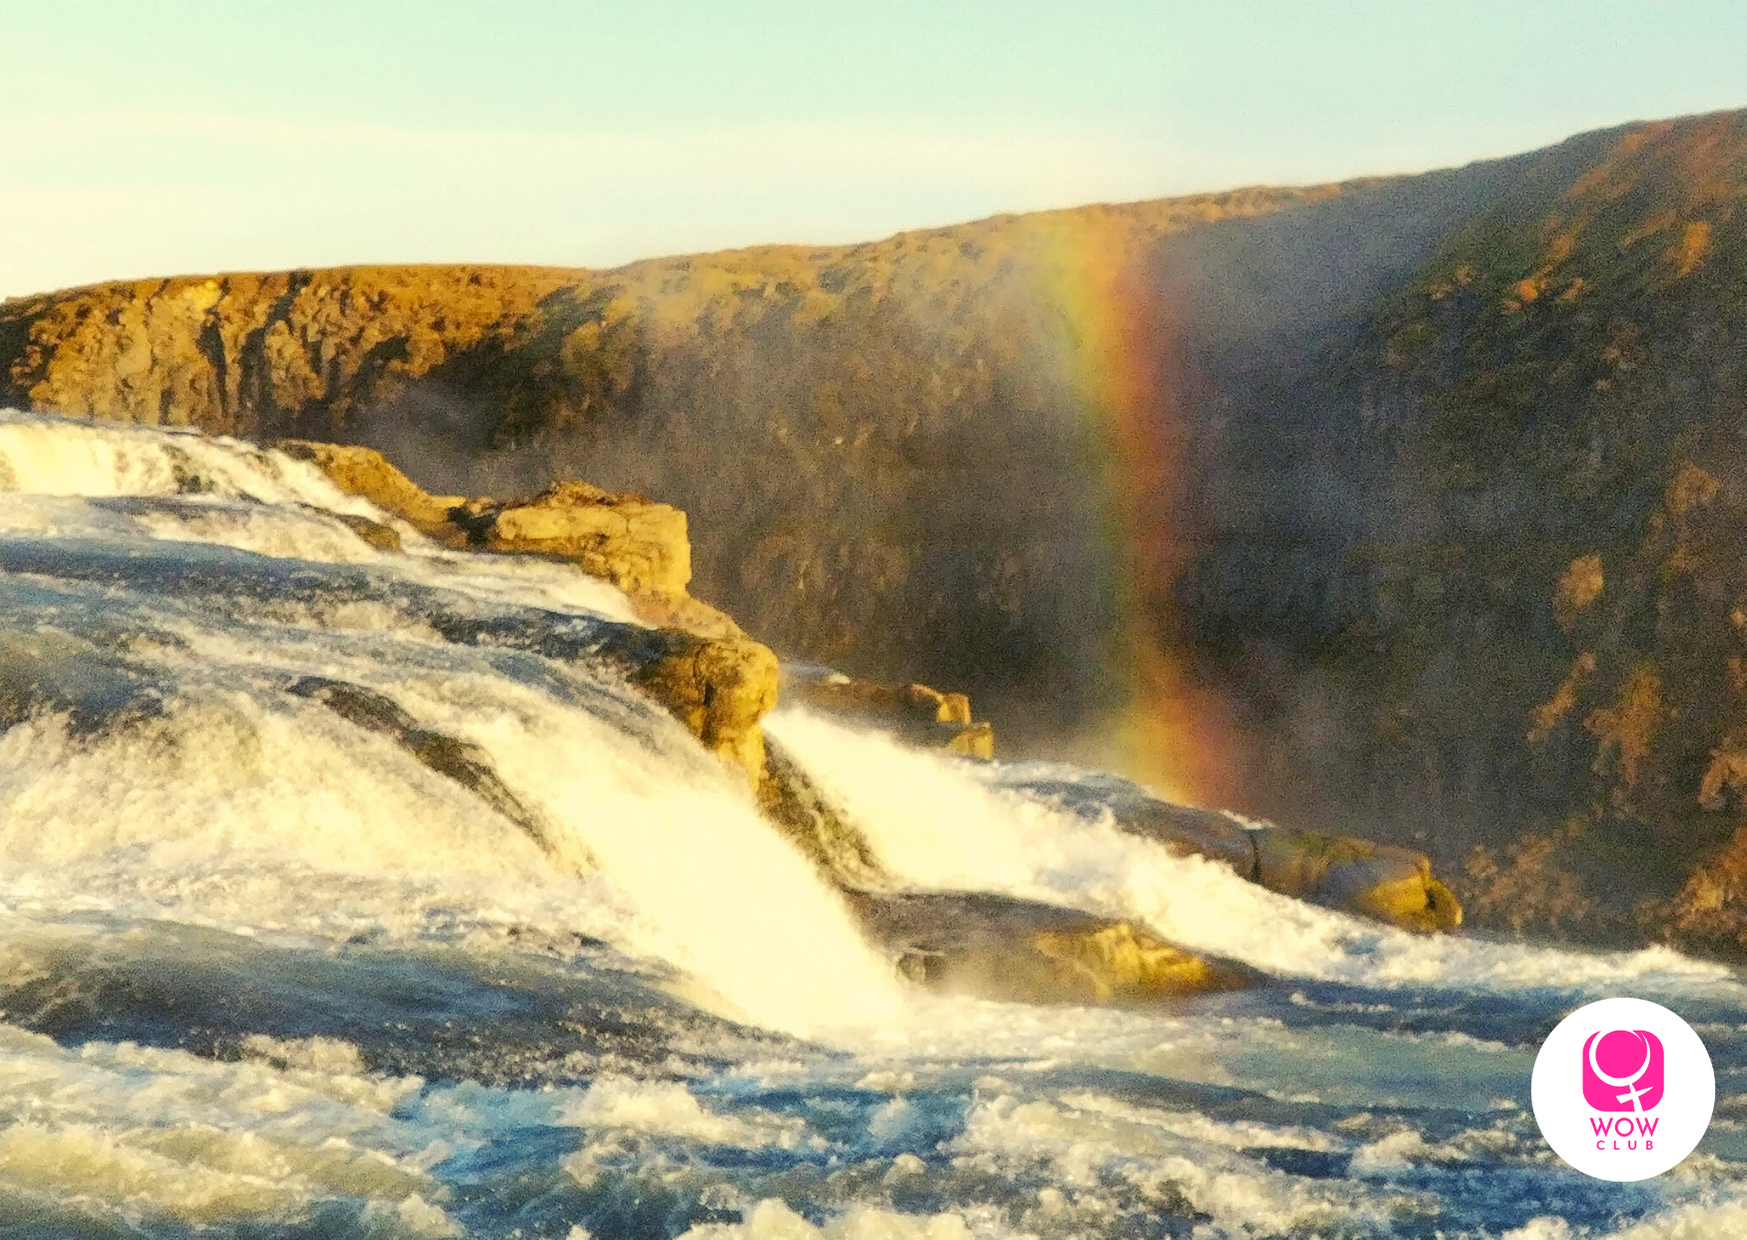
{"x":942,"y":823}
{"x":263,"y":771}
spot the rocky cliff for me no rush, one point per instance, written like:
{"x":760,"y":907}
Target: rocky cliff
{"x":928,"y":430}
{"x":1406,"y":506}
{"x":1525,"y":645}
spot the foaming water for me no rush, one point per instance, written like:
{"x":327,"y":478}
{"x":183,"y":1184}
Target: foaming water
{"x":230,"y":775}
{"x":156,"y":1131}
{"x":56,"y":457}
{"x":225,"y":492}
{"x":266,"y":973}
{"x":230,"y":764}
{"x":945,"y":823}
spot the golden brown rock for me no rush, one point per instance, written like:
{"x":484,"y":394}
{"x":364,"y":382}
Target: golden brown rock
{"x":311,"y":352}
{"x":685,"y":612}
{"x":368,"y":474}
{"x":1122,"y":964}
{"x":916,"y":713}
{"x":637,"y":544}
{"x":847,"y":695}
{"x":1003,"y":948}
{"x":720,"y":689}
{"x":973,"y":740}
{"x":1385,"y":881}
{"x":708,"y":674}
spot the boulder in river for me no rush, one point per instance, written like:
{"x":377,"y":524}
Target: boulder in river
{"x":998,"y":947}
{"x":1382,"y":881}
{"x":916,"y":714}
{"x":1385,"y":881}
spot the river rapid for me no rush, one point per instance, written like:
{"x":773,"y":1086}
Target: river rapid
{"x":263,"y":974}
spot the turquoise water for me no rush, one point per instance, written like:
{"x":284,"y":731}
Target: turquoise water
{"x":264,"y":975}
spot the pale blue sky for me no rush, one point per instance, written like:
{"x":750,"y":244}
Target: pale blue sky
{"x":143,"y":139}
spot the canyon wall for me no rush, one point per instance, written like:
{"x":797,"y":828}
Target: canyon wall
{"x":1407,"y":506}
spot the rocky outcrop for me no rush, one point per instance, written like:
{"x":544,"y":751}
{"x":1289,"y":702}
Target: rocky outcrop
{"x":721,"y":689}
{"x":914,"y":713}
{"x":1384,"y":881}
{"x":1017,"y":951}
{"x":708,"y":674}
{"x":1186,"y":831}
{"x":720,"y":684}
{"x":1381,"y":881}
{"x":368,"y":474}
{"x":637,"y":544}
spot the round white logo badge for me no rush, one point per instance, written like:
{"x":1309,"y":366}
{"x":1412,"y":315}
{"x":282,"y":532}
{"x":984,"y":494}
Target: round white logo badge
{"x":1623,"y":1089}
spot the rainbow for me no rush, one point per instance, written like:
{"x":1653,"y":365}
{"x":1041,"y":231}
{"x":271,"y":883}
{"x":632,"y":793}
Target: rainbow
{"x":1177,"y":733}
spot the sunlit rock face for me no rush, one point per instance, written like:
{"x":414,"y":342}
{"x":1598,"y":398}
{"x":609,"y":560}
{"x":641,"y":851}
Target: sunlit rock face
{"x":1407,"y":503}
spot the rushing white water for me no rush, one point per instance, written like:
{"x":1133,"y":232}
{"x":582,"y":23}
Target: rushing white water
{"x":253,"y":772}
{"x":946,"y":824}
{"x":239,"y":496}
{"x":265,"y":973}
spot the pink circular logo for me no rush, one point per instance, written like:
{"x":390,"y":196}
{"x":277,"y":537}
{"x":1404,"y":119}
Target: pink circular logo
{"x":1623,"y":1089}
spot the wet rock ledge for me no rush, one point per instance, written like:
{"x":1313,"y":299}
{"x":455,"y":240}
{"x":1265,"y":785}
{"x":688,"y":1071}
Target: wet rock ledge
{"x":639,"y":545}
{"x":709,"y":675}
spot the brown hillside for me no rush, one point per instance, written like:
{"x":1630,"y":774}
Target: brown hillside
{"x":891,"y":453}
